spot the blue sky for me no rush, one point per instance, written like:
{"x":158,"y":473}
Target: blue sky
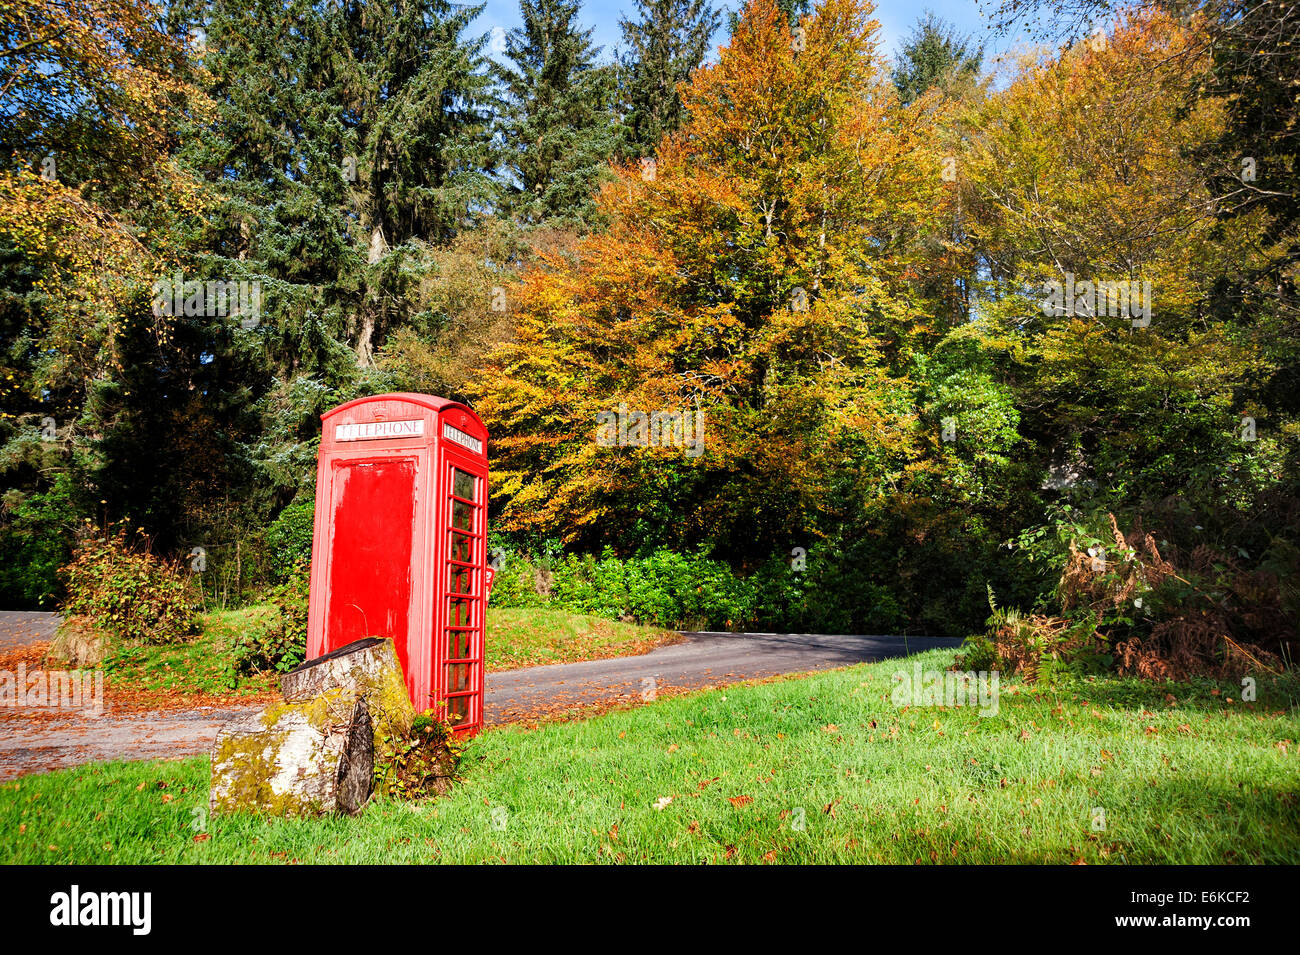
{"x":896,"y":19}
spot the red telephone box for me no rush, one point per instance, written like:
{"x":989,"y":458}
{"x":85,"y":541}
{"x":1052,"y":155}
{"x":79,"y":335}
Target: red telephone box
{"x":399,"y":548}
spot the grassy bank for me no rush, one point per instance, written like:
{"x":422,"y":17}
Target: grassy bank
{"x":533,"y":637}
{"x":204,"y":665}
{"x":818,"y":769}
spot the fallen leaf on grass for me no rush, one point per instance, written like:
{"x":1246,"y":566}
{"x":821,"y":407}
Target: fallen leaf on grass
{"x":739,"y":801}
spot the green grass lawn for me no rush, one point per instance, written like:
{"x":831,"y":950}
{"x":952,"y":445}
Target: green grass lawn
{"x":817,"y":769}
{"x":203,"y":665}
{"x":531,"y":637}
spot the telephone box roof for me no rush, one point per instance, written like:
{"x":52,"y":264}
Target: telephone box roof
{"x":432,"y":402}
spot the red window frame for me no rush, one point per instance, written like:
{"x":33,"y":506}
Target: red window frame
{"x":462,"y":655}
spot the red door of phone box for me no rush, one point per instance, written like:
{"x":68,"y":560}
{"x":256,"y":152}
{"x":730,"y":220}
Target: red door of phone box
{"x":399,"y":548}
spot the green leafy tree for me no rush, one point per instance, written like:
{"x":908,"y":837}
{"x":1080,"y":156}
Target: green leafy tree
{"x":935,"y":54}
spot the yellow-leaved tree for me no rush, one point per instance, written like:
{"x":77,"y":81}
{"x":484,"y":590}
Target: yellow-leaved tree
{"x":1093,"y":221}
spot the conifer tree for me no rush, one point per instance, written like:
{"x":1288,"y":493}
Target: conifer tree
{"x":935,"y":54}
{"x":667,"y":42}
{"x":559,"y":126}
{"x":347,"y":137}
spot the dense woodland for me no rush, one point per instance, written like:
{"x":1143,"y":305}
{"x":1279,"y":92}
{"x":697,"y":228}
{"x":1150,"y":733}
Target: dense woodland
{"x":952,"y":324}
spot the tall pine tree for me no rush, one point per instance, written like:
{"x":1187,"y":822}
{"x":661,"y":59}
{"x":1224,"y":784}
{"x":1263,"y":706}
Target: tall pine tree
{"x":348,"y":136}
{"x":559,"y":126}
{"x":667,"y":42}
{"x":350,"y":139}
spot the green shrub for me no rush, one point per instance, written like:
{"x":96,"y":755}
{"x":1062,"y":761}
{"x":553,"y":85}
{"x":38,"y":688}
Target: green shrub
{"x":421,"y":764}
{"x":282,"y":645}
{"x":34,"y":533}
{"x":288,"y":538}
{"x":695,"y":592}
{"x":128,"y":592}
{"x":978,"y":653}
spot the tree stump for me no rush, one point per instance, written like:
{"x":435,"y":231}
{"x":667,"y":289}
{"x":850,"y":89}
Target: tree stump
{"x":315,"y":752}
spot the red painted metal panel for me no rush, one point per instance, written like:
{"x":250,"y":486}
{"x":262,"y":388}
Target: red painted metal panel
{"x":373,"y":514}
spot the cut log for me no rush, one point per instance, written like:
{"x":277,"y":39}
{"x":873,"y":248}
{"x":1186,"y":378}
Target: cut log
{"x":316,"y":752}
{"x":296,"y":759}
{"x":368,"y":667}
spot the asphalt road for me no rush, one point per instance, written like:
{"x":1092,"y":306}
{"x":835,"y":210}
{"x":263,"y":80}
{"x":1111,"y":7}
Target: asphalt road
{"x":18,"y":628}
{"x":703,"y":659}
{"x":41,"y":740}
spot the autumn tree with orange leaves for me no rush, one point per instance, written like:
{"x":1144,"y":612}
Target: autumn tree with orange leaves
{"x":763,"y":271}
